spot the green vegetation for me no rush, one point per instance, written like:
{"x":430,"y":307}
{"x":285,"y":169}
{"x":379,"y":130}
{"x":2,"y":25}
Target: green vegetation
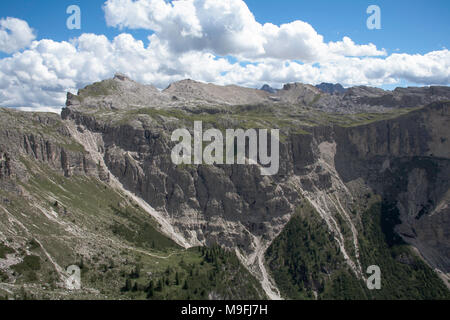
{"x":80,"y":220}
{"x":305,"y":258}
{"x":4,"y":250}
{"x":29,"y":263}
{"x":132,"y":228}
{"x":73,"y":146}
{"x":86,"y":205}
{"x":196,"y":274}
{"x":242,"y":117}
{"x":343,"y":285}
{"x":290,"y":119}
{"x":28,"y":268}
{"x":3,"y":276}
{"x":102,"y":88}
{"x":404,"y":274}
{"x":315,"y":100}
{"x":33,"y":244}
{"x":94,"y":204}
{"x":46,"y":126}
{"x":359,"y":119}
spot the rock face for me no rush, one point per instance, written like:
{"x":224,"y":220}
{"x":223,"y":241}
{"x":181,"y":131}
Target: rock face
{"x":25,"y":134}
{"x":403,"y":157}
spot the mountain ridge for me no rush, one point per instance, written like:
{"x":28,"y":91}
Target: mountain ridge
{"x":116,"y":93}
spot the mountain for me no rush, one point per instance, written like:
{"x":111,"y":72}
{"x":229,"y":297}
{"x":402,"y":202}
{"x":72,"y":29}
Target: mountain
{"x":268,"y":89}
{"x":331,"y":88}
{"x":363,"y":180}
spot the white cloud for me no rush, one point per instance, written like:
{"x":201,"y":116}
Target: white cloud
{"x":226,"y":27}
{"x":221,"y":27}
{"x":347,"y":47}
{"x":293,"y":41}
{"x":40,"y":109}
{"x":15,"y":34}
{"x":431,"y":68}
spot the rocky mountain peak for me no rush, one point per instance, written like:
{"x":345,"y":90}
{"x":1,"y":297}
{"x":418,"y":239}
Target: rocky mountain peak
{"x":299,"y":87}
{"x":331,"y":88}
{"x":268,"y":88}
{"x":121,"y":77}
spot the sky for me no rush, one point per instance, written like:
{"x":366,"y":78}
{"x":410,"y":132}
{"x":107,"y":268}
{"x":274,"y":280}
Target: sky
{"x":247,"y":43}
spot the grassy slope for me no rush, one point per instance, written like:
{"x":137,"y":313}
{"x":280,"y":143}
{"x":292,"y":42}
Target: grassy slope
{"x":290,"y":119}
{"x":305,"y":259}
{"x":198,"y":273}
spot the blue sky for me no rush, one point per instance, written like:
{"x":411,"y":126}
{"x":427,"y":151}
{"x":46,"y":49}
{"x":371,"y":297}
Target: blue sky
{"x":410,"y":49}
{"x":412,"y":26}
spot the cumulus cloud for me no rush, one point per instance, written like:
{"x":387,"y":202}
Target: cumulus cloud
{"x":221,"y":27}
{"x":347,"y":47}
{"x":15,"y":34}
{"x":430,"y":69}
{"x":226,"y":27}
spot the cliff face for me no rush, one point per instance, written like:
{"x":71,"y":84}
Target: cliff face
{"x":43,"y":138}
{"x":335,"y":163}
